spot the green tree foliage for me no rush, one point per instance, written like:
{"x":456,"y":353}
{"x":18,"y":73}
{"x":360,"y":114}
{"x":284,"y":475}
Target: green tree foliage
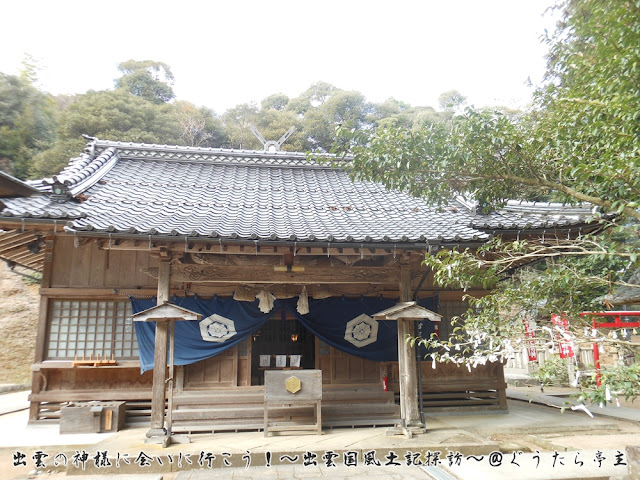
{"x":314,"y":96}
{"x":451,"y":100}
{"x":580,"y":143}
{"x":338,"y":107}
{"x":277,"y":101}
{"x":592,"y":120}
{"x":197,"y":127}
{"x":27,"y":122}
{"x":146,"y":79}
{"x":426,"y":116}
{"x":139,"y":109}
{"x":110,"y":114}
{"x":392,"y":112}
{"x":272,"y":124}
{"x":236,"y":122}
{"x":341,"y":108}
{"x":48,"y":131}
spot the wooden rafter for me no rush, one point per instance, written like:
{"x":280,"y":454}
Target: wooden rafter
{"x":26,"y":249}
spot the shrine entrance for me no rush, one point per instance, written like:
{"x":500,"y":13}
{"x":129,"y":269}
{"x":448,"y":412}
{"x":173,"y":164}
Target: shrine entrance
{"x":282,"y":343}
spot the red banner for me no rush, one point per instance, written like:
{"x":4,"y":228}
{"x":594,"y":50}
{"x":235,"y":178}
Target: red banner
{"x":530,"y":342}
{"x":561,"y":326}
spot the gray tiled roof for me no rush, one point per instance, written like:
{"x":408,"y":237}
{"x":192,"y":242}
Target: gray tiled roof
{"x":233,"y":194}
{"x":534,"y":215}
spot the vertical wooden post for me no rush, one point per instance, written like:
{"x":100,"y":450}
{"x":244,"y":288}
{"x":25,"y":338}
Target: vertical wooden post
{"x":158,"y":390}
{"x":407,"y":364}
{"x":41,"y":336}
{"x":172,"y":337}
{"x":502,"y":388}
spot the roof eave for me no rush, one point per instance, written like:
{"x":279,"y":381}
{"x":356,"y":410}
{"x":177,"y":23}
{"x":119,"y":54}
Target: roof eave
{"x":391,"y":246}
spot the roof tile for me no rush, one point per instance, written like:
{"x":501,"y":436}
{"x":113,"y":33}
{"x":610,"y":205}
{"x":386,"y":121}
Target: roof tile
{"x":155,"y":189}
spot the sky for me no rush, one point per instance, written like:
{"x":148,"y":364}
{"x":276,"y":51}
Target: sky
{"x":226,"y":52}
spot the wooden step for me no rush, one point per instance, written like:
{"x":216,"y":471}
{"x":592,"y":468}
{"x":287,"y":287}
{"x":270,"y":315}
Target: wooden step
{"x":236,"y":410}
{"x":458,"y":403}
{"x":222,"y":427}
{"x":460,"y":395}
{"x":221,"y":397}
{"x":463,"y":385}
{"x":242,"y":425}
{"x":201,"y":403}
{"x":252,"y":412}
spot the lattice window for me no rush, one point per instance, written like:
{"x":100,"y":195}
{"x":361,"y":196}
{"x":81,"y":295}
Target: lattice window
{"x":79,"y":327}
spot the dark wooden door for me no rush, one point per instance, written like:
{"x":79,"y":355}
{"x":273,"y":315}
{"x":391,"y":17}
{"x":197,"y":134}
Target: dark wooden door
{"x":218,"y":371}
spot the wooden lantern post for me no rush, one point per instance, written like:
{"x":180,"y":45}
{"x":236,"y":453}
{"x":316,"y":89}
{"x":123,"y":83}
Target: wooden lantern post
{"x":407,"y":364}
{"x":164,"y":315}
{"x":160,"y":355}
{"x":406,"y":313}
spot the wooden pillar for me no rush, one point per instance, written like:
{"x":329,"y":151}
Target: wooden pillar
{"x":407,"y":365}
{"x":158,"y":390}
{"x":38,"y":376}
{"x":502,"y":388}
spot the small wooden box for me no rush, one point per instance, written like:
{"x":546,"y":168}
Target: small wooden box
{"x":92,"y":417}
{"x":293,"y":387}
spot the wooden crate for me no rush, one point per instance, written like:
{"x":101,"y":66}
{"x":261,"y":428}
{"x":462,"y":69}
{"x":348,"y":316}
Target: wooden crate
{"x":92,"y":417}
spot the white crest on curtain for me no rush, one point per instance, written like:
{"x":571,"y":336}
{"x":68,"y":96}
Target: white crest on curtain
{"x":216,"y":328}
{"x":361,"y":331}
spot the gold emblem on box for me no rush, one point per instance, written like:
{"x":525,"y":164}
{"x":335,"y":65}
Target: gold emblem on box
{"x":293,"y":385}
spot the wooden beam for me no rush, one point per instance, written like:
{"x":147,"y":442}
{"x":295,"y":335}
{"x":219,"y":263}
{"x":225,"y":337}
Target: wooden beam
{"x":266,"y":274}
{"x":43,"y":228}
{"x":235,"y":249}
{"x":222,"y":289}
{"x":70,"y":292}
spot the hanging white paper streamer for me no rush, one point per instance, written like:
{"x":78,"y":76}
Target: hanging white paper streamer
{"x":266,"y":301}
{"x":303,"y":302}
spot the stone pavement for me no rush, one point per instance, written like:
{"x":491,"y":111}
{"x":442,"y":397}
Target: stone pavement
{"x":485,"y":446}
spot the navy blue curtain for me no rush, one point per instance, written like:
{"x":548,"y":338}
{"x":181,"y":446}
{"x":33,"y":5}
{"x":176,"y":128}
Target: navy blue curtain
{"x":189,"y":344}
{"x":327,"y":319}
